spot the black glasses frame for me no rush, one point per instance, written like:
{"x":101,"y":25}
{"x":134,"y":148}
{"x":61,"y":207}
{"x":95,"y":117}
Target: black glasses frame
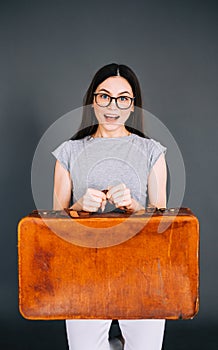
{"x":112,"y":98}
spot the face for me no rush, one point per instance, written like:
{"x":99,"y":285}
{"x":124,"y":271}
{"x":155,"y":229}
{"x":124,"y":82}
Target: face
{"x":111,"y":117}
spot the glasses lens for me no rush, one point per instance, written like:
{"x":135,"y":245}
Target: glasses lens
{"x":124,"y":102}
{"x":102,"y":100}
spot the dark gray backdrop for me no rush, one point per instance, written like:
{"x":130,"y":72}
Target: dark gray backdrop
{"x":49,"y":51}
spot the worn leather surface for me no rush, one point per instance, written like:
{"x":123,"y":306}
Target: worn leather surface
{"x":153,"y":274}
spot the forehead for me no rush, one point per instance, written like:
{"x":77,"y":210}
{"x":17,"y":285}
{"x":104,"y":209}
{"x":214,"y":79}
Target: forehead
{"x":115,"y":84}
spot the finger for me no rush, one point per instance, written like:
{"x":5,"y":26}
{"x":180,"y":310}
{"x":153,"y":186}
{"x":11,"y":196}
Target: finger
{"x":112,"y":190}
{"x":103,"y":205}
{"x":92,"y":202}
{"x":123,"y":203}
{"x":96,"y":193}
{"x":110,"y":201}
{"x":122,"y":197}
{"x":108,"y":193}
{"x":127,"y":209}
{"x":93,"y":198}
{"x":122,"y":194}
{"x":90,"y":209}
{"x":122,"y":208}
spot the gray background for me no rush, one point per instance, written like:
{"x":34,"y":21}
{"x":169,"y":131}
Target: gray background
{"x":49,"y":51}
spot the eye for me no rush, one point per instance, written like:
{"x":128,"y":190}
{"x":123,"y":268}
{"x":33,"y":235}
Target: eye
{"x":124,"y":98}
{"x":104,"y":96}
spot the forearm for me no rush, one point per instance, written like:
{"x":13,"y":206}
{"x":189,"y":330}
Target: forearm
{"x":77,"y":206}
{"x":62,"y":188}
{"x":157,"y":181}
{"x":135,"y":206}
{"x":59,"y":203}
{"x":157,"y":204}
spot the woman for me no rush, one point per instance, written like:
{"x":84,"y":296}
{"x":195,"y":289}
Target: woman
{"x":110,"y":152}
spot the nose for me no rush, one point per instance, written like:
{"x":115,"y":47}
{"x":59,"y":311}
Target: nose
{"x":113,"y":105}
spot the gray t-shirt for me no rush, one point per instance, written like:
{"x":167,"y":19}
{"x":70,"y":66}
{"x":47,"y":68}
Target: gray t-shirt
{"x":102,"y":162}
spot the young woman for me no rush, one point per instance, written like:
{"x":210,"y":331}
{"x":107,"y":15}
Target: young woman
{"x":110,"y":152}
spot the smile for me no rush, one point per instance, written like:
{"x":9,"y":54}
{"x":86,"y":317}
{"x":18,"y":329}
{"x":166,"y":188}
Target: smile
{"x":111,"y":117}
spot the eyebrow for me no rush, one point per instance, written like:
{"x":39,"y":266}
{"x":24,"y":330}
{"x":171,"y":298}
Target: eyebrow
{"x":120,"y":93}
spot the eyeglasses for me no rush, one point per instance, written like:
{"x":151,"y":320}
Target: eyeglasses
{"x":104,"y":100}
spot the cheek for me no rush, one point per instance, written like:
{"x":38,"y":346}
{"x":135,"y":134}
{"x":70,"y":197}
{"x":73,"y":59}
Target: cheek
{"x":125,"y":114}
{"x":97,"y":111}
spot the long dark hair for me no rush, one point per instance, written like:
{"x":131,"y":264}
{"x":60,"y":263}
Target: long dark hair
{"x":89,"y":122}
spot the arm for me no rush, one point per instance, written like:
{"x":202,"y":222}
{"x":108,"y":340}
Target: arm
{"x":91,"y":201}
{"x":121,"y":196}
{"x":62,"y":187}
{"x":157,"y":180}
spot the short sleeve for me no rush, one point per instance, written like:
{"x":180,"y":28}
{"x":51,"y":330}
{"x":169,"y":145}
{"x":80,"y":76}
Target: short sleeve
{"x":155,"y":150}
{"x":62,"y":154}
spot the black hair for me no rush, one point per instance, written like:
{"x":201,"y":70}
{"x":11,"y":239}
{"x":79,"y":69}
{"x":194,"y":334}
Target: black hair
{"x":89,"y":123}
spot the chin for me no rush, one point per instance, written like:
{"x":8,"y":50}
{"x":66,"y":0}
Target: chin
{"x":112,"y":127}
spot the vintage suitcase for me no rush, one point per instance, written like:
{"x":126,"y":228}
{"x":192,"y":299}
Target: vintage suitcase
{"x":109,"y":266}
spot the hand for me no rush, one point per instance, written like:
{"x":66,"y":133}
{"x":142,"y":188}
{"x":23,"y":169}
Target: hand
{"x":91,"y":201}
{"x":120,"y":196}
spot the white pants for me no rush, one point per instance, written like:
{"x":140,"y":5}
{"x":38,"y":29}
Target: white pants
{"x":93,"y":334}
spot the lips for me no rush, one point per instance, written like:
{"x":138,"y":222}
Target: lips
{"x":111,"y":117}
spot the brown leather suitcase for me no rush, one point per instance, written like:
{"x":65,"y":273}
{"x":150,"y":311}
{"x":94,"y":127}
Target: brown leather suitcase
{"x":109,"y":266}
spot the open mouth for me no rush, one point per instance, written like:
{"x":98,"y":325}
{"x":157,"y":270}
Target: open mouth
{"x":111,"y":117}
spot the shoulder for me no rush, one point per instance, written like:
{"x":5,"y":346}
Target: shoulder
{"x":70,"y":146}
{"x":67,"y":151}
{"x":148,"y":144}
{"x":157,"y":146}
{"x":151,"y":148}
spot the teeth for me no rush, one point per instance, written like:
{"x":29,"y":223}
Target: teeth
{"x":111,"y":116}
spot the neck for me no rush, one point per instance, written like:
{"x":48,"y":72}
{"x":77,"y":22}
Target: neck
{"x":101,"y":132}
